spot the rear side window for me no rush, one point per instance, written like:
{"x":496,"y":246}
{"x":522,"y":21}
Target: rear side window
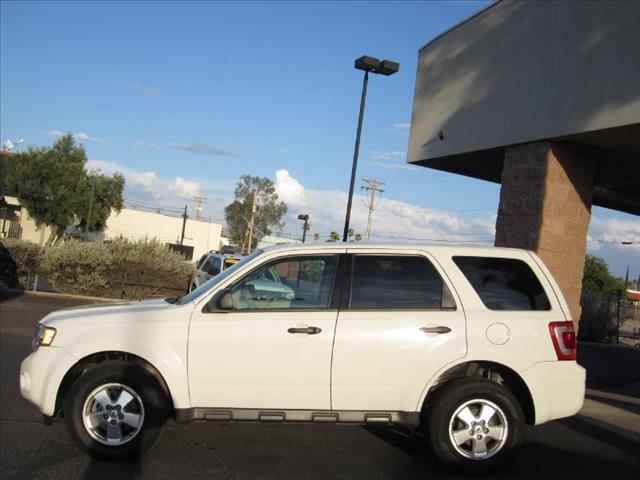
{"x":400,"y":282}
{"x":504,"y":283}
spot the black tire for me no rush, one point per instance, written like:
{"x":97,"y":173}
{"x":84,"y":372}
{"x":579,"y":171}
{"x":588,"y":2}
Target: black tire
{"x":120,"y":376}
{"x":468,"y":395}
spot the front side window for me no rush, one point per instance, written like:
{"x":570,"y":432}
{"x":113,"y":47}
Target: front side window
{"x":504,"y":283}
{"x":398,"y":282}
{"x":291,"y":283}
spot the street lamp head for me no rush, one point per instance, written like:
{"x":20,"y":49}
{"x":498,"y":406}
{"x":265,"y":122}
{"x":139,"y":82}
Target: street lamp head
{"x":387,"y":67}
{"x":373,"y":65}
{"x":303,"y":217}
{"x":366,"y":63}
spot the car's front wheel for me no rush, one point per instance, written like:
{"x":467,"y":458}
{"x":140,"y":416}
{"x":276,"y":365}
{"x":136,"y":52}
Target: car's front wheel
{"x":115,"y":411}
{"x":474,"y":426}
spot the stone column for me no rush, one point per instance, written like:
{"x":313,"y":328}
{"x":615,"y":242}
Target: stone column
{"x":545,"y":206}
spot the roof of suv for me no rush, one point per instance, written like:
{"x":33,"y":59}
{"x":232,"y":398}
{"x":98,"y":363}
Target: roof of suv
{"x":469,"y":249}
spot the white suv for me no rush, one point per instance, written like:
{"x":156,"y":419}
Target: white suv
{"x":467,"y":343}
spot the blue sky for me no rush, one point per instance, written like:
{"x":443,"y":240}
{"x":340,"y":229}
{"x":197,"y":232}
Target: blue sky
{"x":186,"y":97}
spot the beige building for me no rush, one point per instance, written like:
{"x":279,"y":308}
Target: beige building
{"x":132,"y":224}
{"x":137,"y":224}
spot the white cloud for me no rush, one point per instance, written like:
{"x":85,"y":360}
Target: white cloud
{"x":390,"y":155}
{"x":394,"y":166}
{"x":619,"y":234}
{"x":198,"y":148}
{"x":184,"y":188}
{"x":393,"y":220}
{"x":80,"y":136}
{"x":402,"y":128}
{"x":289,"y":189}
{"x":389,"y":160}
{"x":148,"y":185}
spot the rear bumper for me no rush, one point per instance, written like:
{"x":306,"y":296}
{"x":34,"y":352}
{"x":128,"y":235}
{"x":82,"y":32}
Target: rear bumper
{"x":41,"y":374}
{"x":557,"y":389}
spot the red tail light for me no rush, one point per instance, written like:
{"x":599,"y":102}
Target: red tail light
{"x":564,"y":340}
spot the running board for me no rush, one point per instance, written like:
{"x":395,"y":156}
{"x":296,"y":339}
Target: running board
{"x":186,"y":415}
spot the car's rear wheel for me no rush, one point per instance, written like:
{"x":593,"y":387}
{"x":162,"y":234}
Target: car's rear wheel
{"x":474,"y":426}
{"x":115,"y":411}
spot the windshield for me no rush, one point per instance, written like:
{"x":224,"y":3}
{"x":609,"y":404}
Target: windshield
{"x":205,"y":287}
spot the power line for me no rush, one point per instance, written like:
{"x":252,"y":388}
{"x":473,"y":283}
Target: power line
{"x":372,"y":187}
{"x":199,"y":208}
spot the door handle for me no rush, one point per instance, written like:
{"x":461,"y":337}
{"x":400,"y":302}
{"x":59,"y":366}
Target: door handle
{"x":307,"y":330}
{"x":438,"y":329}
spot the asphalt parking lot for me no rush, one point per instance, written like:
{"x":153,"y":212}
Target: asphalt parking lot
{"x":604,"y":439}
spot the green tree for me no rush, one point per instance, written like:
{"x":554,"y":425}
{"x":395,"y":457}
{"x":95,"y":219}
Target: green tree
{"x":269,"y":209}
{"x":316,"y":237}
{"x":597,"y":277}
{"x":358,"y":237}
{"x":53,"y":185}
{"x":334,"y":236}
{"x":107,"y":196}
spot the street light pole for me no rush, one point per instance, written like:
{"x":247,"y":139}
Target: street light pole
{"x":356,"y":151}
{"x":93,"y":192}
{"x":368,"y":64}
{"x":184,"y":224}
{"x":305,"y":226}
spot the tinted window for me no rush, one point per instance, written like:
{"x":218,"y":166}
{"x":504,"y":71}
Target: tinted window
{"x":404,"y":282}
{"x":212,"y":266}
{"x":302,"y":282}
{"x":504,"y":283}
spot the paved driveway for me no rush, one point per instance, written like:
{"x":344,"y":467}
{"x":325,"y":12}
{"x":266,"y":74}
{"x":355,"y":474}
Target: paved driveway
{"x":604,"y":440}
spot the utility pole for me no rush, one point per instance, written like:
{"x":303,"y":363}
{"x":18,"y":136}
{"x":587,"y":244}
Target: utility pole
{"x":88,"y":221}
{"x":253,"y":217}
{"x":372,"y":185}
{"x":200,"y":203}
{"x":184,"y":224}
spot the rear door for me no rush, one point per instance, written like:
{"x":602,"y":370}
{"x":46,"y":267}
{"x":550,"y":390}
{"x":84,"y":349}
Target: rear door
{"x":400,"y":322}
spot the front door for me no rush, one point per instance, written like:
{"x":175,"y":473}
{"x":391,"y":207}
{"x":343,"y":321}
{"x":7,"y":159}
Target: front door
{"x":273,"y":348}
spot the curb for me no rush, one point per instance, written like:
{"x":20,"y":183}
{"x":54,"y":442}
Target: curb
{"x":62,"y":295}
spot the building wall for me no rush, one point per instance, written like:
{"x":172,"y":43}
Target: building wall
{"x":135,"y":224}
{"x":29,"y":231}
{"x":521,"y":71}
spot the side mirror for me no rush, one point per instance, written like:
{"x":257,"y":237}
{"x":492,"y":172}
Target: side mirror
{"x":226,"y":301}
{"x":222,"y":302}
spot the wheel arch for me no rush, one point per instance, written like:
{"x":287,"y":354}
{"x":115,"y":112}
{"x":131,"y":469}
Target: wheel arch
{"x":490,"y":370}
{"x":93,"y":360}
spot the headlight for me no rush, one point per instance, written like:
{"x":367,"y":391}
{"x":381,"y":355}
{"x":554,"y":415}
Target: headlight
{"x":43,"y":337}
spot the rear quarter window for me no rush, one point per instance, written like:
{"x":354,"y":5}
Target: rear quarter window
{"x":504,"y":283}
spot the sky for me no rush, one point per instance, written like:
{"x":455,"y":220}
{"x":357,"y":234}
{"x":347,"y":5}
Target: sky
{"x":185,"y":97}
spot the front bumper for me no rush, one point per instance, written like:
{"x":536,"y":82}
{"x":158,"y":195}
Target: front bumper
{"x":41,"y":374}
{"x":557,"y":389}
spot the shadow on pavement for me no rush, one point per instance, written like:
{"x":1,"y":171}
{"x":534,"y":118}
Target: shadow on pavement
{"x":99,"y":469}
{"x":627,"y":406}
{"x":536,"y":460}
{"x":8,"y":294}
{"x":597,"y":429}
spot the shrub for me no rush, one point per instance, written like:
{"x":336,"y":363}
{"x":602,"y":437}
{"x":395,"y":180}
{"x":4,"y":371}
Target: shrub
{"x":26,"y":255}
{"x":145,"y":269}
{"x":78,"y":267}
{"x":118,"y":268}
{"x":8,"y":269}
